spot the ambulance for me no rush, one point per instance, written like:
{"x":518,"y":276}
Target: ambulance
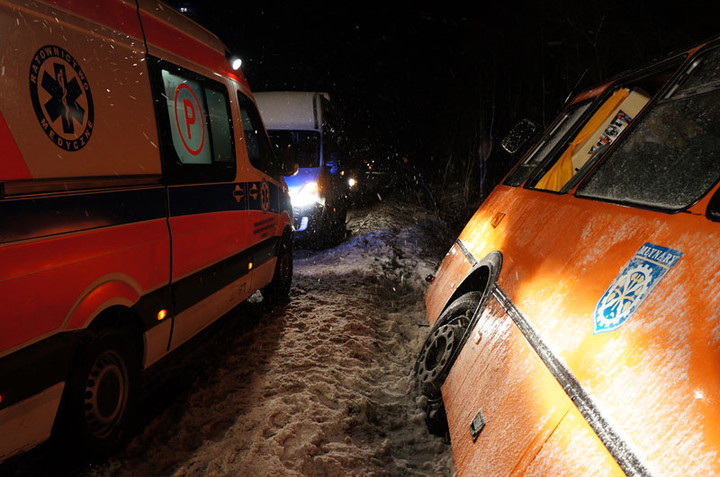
{"x":140,"y":201}
{"x":575,"y":322}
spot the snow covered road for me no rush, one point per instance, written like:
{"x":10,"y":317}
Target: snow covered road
{"x":321,"y":387}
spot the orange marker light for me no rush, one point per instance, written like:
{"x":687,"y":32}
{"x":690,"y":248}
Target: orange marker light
{"x":161,"y":315}
{"x":497,"y":219}
{"x":250,"y":266}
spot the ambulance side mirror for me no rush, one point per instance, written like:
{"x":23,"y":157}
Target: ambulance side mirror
{"x":519,"y":136}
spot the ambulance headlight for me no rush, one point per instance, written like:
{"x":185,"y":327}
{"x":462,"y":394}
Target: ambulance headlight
{"x":306,"y":195}
{"x":352,"y":182}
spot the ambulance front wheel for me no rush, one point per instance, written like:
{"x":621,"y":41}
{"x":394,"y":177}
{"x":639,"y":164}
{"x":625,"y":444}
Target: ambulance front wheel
{"x":100,"y":393}
{"x":277,"y":292}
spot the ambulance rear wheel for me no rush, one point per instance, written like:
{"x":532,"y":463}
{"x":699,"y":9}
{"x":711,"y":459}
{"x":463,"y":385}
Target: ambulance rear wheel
{"x":277,"y":292}
{"x":100,"y":393}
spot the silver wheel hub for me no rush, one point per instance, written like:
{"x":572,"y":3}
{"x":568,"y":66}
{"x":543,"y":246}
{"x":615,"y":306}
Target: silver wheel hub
{"x":106,"y":394}
{"x":439,"y":350}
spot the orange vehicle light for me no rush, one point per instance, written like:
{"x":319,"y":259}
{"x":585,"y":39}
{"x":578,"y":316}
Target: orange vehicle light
{"x":161,"y":315}
{"x":497,"y":219}
{"x":250,"y":266}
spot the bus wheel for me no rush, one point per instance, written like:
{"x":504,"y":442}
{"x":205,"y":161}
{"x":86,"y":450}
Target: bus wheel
{"x":443,"y":343}
{"x":438,"y":354}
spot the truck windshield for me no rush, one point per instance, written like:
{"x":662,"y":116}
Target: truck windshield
{"x":670,"y":159}
{"x":301,"y":146}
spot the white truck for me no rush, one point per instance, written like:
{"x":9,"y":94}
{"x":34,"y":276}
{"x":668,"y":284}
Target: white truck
{"x":303,"y":125}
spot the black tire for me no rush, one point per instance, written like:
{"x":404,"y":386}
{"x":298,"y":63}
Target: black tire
{"x":443,"y":344}
{"x":332,"y":228}
{"x":100,"y":394}
{"x":437,"y":356}
{"x":339,"y":228}
{"x":277,"y":292}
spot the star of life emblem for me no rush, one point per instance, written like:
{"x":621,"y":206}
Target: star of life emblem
{"x":632,"y":286}
{"x":264,"y":196}
{"x":61,"y":97}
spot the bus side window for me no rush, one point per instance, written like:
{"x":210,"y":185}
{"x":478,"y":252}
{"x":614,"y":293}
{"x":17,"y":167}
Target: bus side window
{"x":601,"y":130}
{"x":544,"y":148}
{"x":668,"y":160}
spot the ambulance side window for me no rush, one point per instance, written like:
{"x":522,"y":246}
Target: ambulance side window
{"x":258,"y":145}
{"x":195,"y":125}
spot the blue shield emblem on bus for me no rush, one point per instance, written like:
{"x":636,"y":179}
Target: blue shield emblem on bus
{"x":634,"y":283}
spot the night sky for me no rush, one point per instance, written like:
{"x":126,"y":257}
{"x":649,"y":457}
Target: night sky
{"x":430,"y":80}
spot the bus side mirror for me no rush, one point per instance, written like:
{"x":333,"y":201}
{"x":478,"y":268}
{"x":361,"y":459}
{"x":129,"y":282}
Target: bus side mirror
{"x":519,"y":136}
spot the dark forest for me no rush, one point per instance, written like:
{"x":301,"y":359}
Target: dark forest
{"x":430,"y":89}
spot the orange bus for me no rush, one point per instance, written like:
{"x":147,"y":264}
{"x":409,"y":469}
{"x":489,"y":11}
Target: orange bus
{"x":574,"y":322}
{"x":140,"y":201}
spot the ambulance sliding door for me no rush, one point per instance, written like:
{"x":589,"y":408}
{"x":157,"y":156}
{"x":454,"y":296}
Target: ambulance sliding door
{"x":265,"y":208}
{"x":207,"y":208}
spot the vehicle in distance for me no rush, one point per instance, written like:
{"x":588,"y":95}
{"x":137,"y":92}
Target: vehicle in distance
{"x":303,"y":126}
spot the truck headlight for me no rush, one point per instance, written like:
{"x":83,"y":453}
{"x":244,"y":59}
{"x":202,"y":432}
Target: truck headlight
{"x":306,"y":195}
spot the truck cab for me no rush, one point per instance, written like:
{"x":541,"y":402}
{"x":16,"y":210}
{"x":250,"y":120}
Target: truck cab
{"x":303,"y":127}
